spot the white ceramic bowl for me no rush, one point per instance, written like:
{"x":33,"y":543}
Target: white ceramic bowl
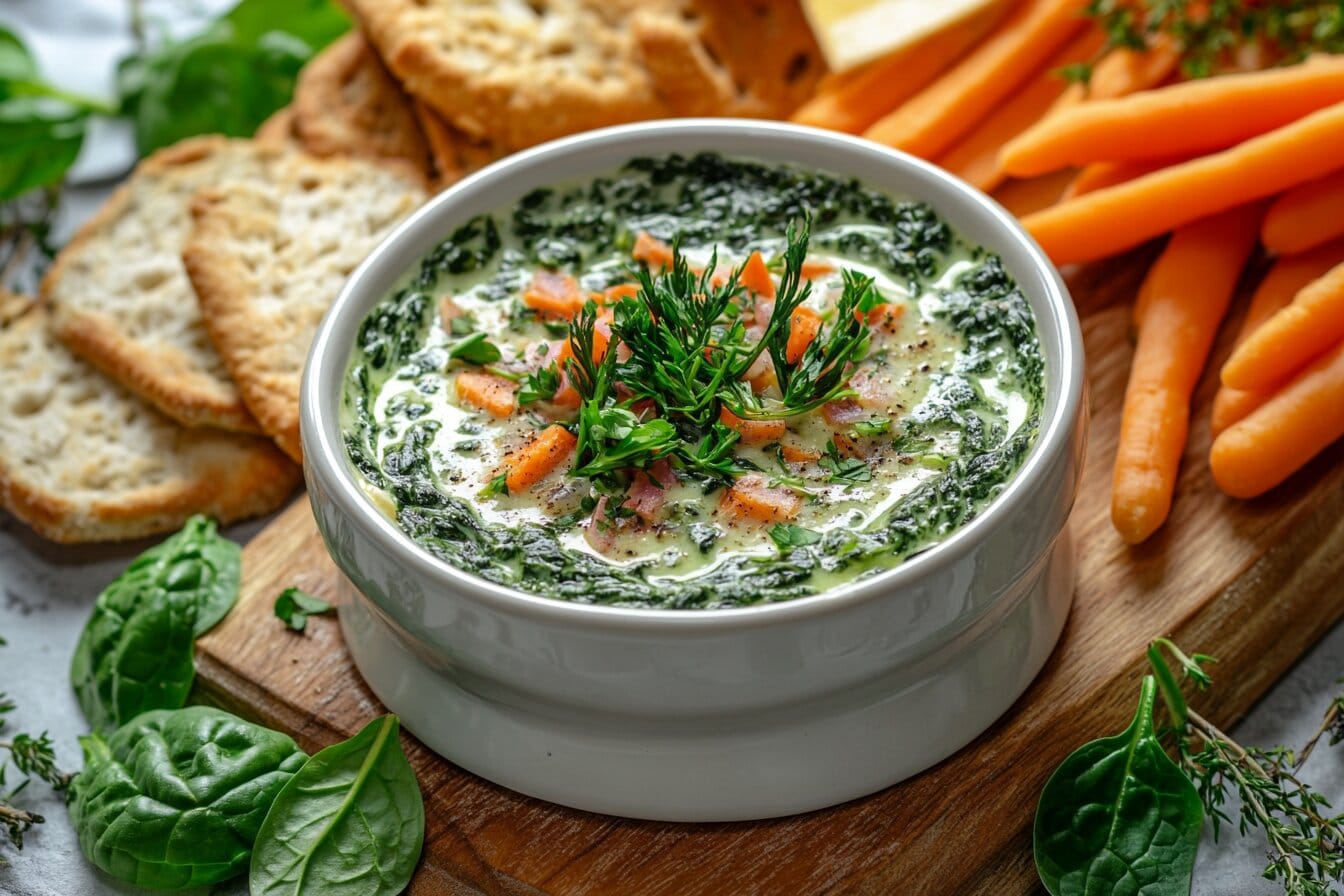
{"x":708,"y":715}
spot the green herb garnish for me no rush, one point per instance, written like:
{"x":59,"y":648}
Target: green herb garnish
{"x":788,"y":536}
{"x":852,"y":470}
{"x":293,"y":607}
{"x":540,"y":386}
{"x":475,"y":349}
{"x":870,"y":428}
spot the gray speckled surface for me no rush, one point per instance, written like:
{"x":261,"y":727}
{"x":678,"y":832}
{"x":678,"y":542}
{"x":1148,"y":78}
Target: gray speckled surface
{"x":46,"y":590}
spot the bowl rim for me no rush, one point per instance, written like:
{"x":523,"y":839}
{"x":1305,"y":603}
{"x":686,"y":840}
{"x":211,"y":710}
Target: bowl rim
{"x":326,"y":460}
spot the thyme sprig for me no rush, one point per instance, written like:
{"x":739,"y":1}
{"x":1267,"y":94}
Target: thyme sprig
{"x":1306,"y":841}
{"x":1210,"y":34}
{"x":31,"y":757}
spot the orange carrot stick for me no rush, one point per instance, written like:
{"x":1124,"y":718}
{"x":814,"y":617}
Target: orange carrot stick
{"x":1026,"y":197}
{"x":1189,"y":290}
{"x":854,"y":100}
{"x":951,"y":106}
{"x":532,"y":463}
{"x":976,"y":158}
{"x":1289,"y":275}
{"x":1292,"y":338}
{"x":1278,"y":438}
{"x":1109,"y":221}
{"x":1124,"y":71}
{"x":1185,"y":119}
{"x":1100,"y":175}
{"x":1306,"y":216}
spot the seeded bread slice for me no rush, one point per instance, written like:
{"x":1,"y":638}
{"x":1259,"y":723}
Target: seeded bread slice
{"x":120,"y":298}
{"x":268,"y":259}
{"x":347,"y":103}
{"x":81,"y":459}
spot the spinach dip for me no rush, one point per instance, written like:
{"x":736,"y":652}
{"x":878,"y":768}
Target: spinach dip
{"x":696,"y":382}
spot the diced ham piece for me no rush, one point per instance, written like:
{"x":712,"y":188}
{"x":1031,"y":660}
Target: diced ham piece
{"x":753,"y":498}
{"x":846,"y":412}
{"x":600,"y":530}
{"x":648,"y":492}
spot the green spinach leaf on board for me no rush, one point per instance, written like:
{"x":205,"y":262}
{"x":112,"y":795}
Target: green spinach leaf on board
{"x":293,"y":607}
{"x":135,"y":653}
{"x":230,"y":77}
{"x":351,"y":822}
{"x":175,"y":798}
{"x":43,"y":125}
{"x":1119,"y":817}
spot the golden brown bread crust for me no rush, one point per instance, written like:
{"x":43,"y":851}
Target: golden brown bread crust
{"x":347,"y":103}
{"x":266,"y":261}
{"x":455,"y":154}
{"x":82,"y":460}
{"x":119,"y":297}
{"x":278,"y":130}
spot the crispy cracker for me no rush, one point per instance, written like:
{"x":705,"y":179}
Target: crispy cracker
{"x":267,"y":259}
{"x":81,"y":459}
{"x":278,"y":130}
{"x":347,"y":103}
{"x":517,"y":74}
{"x":120,"y":297}
{"x":455,"y":154}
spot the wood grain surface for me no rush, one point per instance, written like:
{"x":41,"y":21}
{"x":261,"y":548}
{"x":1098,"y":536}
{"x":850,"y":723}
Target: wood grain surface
{"x":1254,"y":582}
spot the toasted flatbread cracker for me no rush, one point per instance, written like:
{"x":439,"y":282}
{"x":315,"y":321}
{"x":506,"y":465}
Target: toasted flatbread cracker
{"x":347,"y":103}
{"x":267,"y":260}
{"x":81,"y":459}
{"x":455,"y":154}
{"x":517,"y":74}
{"x":120,"y":297}
{"x":278,"y":130}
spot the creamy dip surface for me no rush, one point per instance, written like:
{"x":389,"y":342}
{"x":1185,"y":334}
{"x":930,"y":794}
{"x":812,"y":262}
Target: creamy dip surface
{"x":693,"y":383}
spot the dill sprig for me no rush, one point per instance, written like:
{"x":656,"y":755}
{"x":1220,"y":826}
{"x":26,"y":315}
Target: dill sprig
{"x":1306,"y":841}
{"x":1210,"y":34}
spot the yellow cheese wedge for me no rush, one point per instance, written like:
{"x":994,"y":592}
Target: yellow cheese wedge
{"x":852,"y":32}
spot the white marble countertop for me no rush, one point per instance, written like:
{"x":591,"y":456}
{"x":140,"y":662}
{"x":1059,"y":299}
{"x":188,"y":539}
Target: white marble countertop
{"x":46,"y":590}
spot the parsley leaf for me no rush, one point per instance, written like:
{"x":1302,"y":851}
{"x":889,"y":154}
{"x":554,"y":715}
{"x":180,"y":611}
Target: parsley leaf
{"x":540,"y":386}
{"x":293,"y":607}
{"x":844,"y":469}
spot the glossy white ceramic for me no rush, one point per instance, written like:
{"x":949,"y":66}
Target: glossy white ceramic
{"x":708,"y":715}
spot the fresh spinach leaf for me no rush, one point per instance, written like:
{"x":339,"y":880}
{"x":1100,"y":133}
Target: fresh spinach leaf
{"x":788,"y":535}
{"x":1119,"y":817}
{"x":228,"y":78}
{"x":135,"y":653}
{"x":351,"y":822}
{"x":294,"y":607}
{"x":475,"y":349}
{"x":175,"y":798}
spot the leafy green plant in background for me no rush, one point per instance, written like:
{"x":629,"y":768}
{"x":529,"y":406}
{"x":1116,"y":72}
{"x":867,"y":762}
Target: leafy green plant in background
{"x":175,"y":798}
{"x":1119,"y":816}
{"x":1097,"y":834}
{"x":230,"y":77}
{"x":135,"y":653}
{"x":351,"y":822}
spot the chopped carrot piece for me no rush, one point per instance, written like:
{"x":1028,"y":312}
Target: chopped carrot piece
{"x":756,"y":276}
{"x":797,"y":454}
{"x":752,"y":497}
{"x":613,"y":294}
{"x":754,"y":432}
{"x":811,"y":270}
{"x":804,"y":324}
{"x":652,"y":251}
{"x":553,"y":294}
{"x":487,"y":392}
{"x":531,"y":463}
{"x":886,"y":316}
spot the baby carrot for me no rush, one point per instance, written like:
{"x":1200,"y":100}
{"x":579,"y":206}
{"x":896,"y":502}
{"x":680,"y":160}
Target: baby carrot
{"x":1285,"y":279}
{"x":1026,"y":197}
{"x":1184,"y":119}
{"x":1125,"y":70}
{"x":854,"y":100}
{"x":1306,"y":216}
{"x":959,"y":100}
{"x":1279,"y":437}
{"x":1189,"y":289}
{"x":1109,"y":221}
{"x":1100,"y":175}
{"x":531,"y":463}
{"x":976,"y":158}
{"x":1292,"y":338}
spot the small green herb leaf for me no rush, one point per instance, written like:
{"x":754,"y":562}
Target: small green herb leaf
{"x":499,"y":485}
{"x":293,"y":607}
{"x":351,"y":822}
{"x":844,"y":469}
{"x":1119,"y":817}
{"x":788,"y":536}
{"x":870,"y":428}
{"x":475,"y":349}
{"x":174,"y":799}
{"x":540,"y":386}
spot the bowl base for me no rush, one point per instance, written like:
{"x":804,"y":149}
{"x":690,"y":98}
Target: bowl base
{"x":727,"y":769}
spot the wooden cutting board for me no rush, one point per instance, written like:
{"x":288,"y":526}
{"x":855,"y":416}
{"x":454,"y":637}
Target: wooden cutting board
{"x":1255,"y":583}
